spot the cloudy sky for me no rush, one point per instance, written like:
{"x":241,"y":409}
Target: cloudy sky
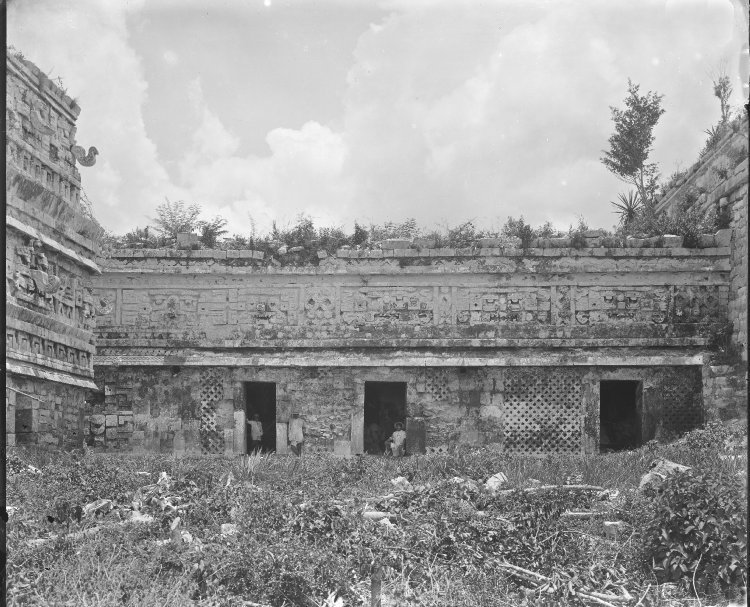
{"x":442,"y":110}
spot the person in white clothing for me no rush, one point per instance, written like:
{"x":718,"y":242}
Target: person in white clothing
{"x":256,"y":433}
{"x":395,"y":443}
{"x":296,"y":434}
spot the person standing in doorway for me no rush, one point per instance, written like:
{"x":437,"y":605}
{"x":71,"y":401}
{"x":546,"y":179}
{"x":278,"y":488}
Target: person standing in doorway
{"x":296,"y":434}
{"x":256,"y":433}
{"x":397,"y":440}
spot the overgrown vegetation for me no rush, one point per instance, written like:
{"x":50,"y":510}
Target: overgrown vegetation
{"x":299,"y":536}
{"x":304,"y":239}
{"x":696,"y":527}
{"x":630,"y":144}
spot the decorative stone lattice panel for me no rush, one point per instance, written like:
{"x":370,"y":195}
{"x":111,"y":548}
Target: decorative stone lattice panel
{"x":682,"y":409}
{"x":211,"y":392}
{"x":543,"y":411}
{"x":436,"y":383}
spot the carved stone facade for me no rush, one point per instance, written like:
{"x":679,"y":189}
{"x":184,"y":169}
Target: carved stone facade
{"x":49,"y":252}
{"x":507,"y":349}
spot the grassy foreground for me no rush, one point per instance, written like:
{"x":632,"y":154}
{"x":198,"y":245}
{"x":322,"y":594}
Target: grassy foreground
{"x":322,"y":531}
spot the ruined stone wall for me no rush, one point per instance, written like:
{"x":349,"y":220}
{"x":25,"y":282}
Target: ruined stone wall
{"x":44,"y":413}
{"x":49,"y":252}
{"x":514,"y":408}
{"x":718,"y":183}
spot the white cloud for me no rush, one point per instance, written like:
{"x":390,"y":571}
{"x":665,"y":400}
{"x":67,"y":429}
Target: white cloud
{"x":452,"y":111}
{"x":501,"y":122}
{"x":170,"y":57}
{"x":302,"y":174}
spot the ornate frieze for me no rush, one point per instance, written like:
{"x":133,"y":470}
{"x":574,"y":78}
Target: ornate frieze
{"x":265,"y":307}
{"x":427,"y":310}
{"x":694,"y":303}
{"x":500,"y":306}
{"x":24,"y":345}
{"x":380,"y":305}
{"x":319,"y":305}
{"x":595,"y":305}
{"x":37,"y":279}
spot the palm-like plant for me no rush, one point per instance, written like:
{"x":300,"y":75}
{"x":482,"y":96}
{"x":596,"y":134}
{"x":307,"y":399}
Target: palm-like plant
{"x":628,"y":206}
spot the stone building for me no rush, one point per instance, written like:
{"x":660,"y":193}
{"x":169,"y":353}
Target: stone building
{"x":552,"y":349}
{"x":549,"y":349}
{"x":49,"y":252}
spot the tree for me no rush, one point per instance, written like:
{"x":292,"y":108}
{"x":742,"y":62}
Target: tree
{"x":211,"y":230}
{"x":174,"y":218}
{"x":630,"y":145}
{"x":518,"y":228}
{"x":360,"y":234}
{"x":723,"y":91}
{"x":138,"y":238}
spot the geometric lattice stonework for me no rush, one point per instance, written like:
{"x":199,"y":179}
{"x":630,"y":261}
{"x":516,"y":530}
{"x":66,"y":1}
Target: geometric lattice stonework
{"x":543,"y":410}
{"x":682,"y":408}
{"x":211,"y":392}
{"x":436,"y":383}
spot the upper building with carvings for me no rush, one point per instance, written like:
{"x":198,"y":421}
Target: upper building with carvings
{"x":49,"y":263}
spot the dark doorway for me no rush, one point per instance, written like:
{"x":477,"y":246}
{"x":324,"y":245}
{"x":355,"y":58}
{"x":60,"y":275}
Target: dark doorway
{"x":619,"y":415}
{"x":260,"y":399}
{"x":385,"y":404}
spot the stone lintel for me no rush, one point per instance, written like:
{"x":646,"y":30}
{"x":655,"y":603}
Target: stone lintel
{"x":49,"y":363}
{"x":49,"y":375}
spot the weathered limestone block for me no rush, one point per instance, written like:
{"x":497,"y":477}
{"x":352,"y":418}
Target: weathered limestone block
{"x":240,"y":429}
{"x":282,"y":441}
{"x":671,"y":240}
{"x":228,"y":434}
{"x":724,"y":237}
{"x":394,"y":243}
{"x":492,"y":412}
{"x":342,"y":448}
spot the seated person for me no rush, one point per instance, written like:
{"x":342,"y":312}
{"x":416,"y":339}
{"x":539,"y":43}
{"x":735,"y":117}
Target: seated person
{"x":394,"y":445}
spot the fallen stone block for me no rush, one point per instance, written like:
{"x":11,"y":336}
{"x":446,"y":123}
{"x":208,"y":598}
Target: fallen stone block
{"x":375,"y":515}
{"x":140,"y":517}
{"x":613,"y":529}
{"x":228,"y":529}
{"x":495,"y":482}
{"x":101,"y":506}
{"x":659,"y":470}
{"x":401,"y":483}
{"x":463,"y":482}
